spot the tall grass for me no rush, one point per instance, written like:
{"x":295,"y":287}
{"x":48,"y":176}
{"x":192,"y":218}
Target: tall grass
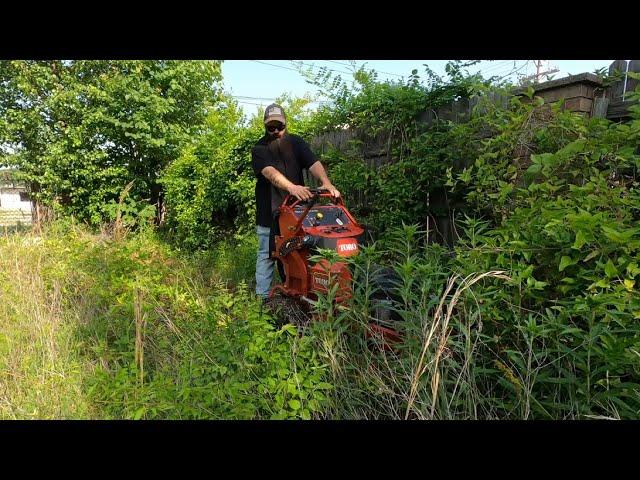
{"x":469,"y":351}
{"x":40,"y":369}
{"x":122,"y":326}
{"x":94,"y":327}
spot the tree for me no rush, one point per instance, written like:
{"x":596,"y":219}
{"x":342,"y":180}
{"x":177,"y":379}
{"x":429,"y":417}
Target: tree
{"x":79,"y":131}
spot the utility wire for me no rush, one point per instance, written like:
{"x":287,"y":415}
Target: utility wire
{"x":240,"y":97}
{"x":515,"y":70}
{"x":319,"y":66}
{"x":492,"y":68}
{"x":496,"y":67}
{"x":500,"y":70}
{"x":251,"y":103}
{"x":322,"y":67}
{"x":339,"y":63}
{"x":275,"y":65}
{"x":261,"y":98}
{"x":342,"y":71}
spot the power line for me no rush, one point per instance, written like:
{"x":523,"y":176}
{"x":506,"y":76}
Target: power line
{"x":313,"y":66}
{"x":515,"y":70}
{"x":272,"y":99}
{"x":251,"y":103}
{"x":536,"y":77}
{"x":388,"y":73}
{"x":493,"y":68}
{"x":252,"y":98}
{"x":496,"y":67}
{"x":326,"y":68}
{"x":339,"y":63}
{"x":261,"y":104}
{"x":350,"y":65}
{"x":342,"y":71}
{"x":274,"y":65}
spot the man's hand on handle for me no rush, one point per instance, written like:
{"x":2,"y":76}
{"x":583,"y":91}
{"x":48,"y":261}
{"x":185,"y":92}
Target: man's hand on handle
{"x":300,"y":192}
{"x":332,"y":190}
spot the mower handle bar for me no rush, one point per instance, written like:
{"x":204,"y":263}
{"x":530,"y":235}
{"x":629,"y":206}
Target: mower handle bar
{"x":318,"y":193}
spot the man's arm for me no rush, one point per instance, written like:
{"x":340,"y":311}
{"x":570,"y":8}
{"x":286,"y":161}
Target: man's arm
{"x":318,"y":171}
{"x":280,"y":181}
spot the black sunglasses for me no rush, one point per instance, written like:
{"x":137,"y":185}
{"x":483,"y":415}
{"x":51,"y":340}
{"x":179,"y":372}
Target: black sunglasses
{"x":276,"y":128}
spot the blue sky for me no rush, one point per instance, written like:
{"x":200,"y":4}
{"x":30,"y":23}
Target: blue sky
{"x":259,"y":82}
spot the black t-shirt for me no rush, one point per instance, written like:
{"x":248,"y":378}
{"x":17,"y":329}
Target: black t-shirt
{"x":290,"y":155}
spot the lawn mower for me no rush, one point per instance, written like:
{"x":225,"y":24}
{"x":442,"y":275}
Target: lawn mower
{"x":302,"y":227}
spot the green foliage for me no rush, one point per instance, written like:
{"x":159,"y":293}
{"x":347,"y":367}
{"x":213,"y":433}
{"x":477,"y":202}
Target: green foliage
{"x":391,"y":106}
{"x":208,"y":186}
{"x":533,"y":314}
{"x":551,"y":198}
{"x":152,"y":333}
{"x":79,"y":131}
{"x":399,"y":190}
{"x":566,"y":227}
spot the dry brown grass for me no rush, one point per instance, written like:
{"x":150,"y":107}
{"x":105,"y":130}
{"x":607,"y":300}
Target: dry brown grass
{"x":40,"y":373}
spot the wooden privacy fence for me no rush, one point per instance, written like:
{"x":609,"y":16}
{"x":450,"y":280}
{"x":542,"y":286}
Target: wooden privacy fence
{"x":585,"y":93}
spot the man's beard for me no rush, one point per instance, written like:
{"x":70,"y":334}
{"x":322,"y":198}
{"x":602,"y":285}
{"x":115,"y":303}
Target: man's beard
{"x":272,"y":137}
{"x":282,"y":149}
{"x":280,"y":146}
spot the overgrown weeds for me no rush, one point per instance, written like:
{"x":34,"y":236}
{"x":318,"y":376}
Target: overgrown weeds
{"x":94,"y":327}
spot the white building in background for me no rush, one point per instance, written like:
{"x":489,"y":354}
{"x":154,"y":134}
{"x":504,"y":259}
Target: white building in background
{"x":15,"y":203}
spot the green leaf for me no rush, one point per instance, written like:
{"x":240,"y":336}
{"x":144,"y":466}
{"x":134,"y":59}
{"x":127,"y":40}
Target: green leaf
{"x":530,"y":91}
{"x":633,"y":269}
{"x":465,"y":176}
{"x":534,"y":168}
{"x":610,"y":269}
{"x":295,"y":404}
{"x":580,"y":240}
{"x":592,"y":255}
{"x":629,"y":284}
{"x":574,"y":147}
{"x":617,"y":236}
{"x":565,"y":261}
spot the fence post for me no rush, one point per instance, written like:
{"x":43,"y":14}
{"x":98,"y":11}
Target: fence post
{"x":616,"y":89}
{"x":634,"y":66}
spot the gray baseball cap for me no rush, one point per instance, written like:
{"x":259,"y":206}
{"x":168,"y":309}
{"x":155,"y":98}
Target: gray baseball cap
{"x":274,"y":112}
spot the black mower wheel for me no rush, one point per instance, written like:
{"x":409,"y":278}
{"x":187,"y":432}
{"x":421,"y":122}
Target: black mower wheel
{"x":385,"y":282}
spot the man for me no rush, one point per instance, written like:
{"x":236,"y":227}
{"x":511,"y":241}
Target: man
{"x":278,"y":161}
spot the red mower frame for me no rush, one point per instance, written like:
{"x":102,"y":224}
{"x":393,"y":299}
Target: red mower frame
{"x":299,"y":232}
